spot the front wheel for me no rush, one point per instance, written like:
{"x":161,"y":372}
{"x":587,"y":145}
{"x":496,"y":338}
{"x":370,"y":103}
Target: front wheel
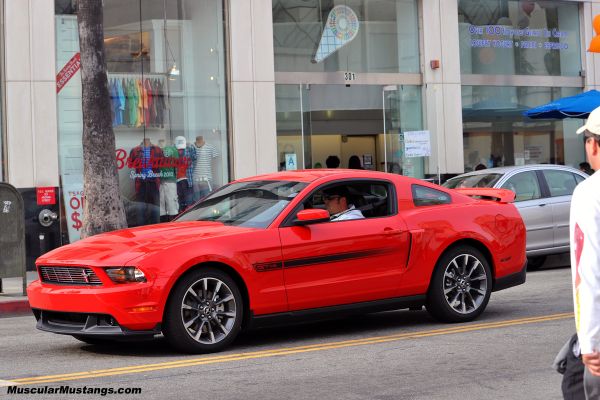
{"x":461,"y":285}
{"x":204,"y":312}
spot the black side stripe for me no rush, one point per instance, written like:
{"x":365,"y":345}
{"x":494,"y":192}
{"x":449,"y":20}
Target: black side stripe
{"x":308,"y":261}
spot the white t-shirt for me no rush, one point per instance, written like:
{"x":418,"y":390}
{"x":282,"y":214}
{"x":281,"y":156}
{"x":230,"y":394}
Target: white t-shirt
{"x":585,"y":262}
{"x":204,"y":158}
{"x":350,"y":213}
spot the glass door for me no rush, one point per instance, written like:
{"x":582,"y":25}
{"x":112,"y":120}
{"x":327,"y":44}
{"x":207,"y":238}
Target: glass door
{"x":293,"y":127}
{"x":402,"y":113}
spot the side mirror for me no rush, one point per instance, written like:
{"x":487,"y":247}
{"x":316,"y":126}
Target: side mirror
{"x":311,"y":216}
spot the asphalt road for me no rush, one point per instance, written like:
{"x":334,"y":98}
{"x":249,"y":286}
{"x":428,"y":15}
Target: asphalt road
{"x":505,"y":354}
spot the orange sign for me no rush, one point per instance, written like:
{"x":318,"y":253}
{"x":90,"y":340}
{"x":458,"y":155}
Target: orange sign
{"x":595,"y":45}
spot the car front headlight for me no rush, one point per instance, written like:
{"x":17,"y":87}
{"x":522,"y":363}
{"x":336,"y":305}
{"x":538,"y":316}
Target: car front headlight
{"x":125,"y":275}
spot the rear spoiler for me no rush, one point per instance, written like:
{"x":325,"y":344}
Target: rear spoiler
{"x":499,"y":195}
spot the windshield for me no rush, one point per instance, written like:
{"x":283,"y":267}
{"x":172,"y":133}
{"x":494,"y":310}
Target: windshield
{"x":252,"y":204}
{"x":473,"y":181}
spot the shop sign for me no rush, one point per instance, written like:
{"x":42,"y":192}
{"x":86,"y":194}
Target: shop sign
{"x":417,"y":144}
{"x":46,"y":196}
{"x":138,"y":164}
{"x":508,"y":37}
{"x":74,"y":201}
{"x":68,"y":71}
{"x":340,"y":29}
{"x":291,"y":162}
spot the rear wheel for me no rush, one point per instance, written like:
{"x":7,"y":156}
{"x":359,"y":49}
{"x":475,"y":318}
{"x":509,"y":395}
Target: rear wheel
{"x":204,"y":313}
{"x":461,"y":285}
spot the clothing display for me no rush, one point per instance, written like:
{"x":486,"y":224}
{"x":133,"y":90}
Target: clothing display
{"x":137,"y":102}
{"x":169,"y":203}
{"x":146,"y":158}
{"x":205,"y":155}
{"x":185,"y":171}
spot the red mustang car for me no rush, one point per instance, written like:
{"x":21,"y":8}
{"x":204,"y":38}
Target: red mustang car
{"x":263,"y":250}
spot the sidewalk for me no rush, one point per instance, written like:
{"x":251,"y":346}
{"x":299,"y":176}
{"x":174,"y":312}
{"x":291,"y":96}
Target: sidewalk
{"x":13,"y":301}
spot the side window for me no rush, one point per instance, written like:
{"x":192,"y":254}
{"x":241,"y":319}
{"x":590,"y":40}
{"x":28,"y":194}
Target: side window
{"x":560,"y":183}
{"x":525,"y":185}
{"x":425,"y":196}
{"x":372,"y":199}
{"x":579,"y":178}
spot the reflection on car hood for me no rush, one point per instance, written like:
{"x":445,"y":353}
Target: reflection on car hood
{"x":120,"y":247}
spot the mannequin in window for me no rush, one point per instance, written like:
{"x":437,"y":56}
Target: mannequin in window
{"x":185,"y":172}
{"x":169,"y":202}
{"x":145,"y":159}
{"x":203,"y":167}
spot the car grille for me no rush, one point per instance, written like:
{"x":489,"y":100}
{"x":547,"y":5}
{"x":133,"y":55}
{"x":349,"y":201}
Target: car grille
{"x":69,"y":276}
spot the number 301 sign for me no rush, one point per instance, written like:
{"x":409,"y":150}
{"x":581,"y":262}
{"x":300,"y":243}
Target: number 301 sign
{"x":349,"y":76}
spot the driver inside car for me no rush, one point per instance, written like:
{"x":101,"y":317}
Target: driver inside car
{"x":337,"y":204}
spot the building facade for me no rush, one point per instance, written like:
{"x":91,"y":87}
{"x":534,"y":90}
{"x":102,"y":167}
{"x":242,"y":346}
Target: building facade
{"x":207,"y":91}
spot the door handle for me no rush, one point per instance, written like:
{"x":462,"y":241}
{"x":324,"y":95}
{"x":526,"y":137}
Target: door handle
{"x":391,"y":231}
{"x":541,"y":205}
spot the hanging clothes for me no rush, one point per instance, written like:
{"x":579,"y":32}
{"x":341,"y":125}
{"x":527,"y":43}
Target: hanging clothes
{"x":133,"y":95}
{"x":126,"y":101}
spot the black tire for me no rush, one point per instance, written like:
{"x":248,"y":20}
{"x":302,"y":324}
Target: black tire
{"x":214,"y":319}
{"x":97,"y":341}
{"x":461,"y":285}
{"x":535,"y":263}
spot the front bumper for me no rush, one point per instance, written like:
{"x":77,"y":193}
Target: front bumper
{"x":134,"y":307}
{"x":97,"y":325}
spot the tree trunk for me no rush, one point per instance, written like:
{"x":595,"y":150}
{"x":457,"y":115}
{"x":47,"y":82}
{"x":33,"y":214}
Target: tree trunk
{"x":103,"y":208}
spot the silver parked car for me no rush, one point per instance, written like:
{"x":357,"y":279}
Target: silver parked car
{"x":543,"y":197}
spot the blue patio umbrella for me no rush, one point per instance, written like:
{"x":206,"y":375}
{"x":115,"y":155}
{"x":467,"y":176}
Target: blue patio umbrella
{"x":579,"y":106}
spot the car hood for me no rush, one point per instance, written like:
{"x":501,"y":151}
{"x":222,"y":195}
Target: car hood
{"x":120,"y":247}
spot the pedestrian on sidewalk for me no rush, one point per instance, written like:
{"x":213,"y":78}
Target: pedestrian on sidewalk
{"x":585,"y":262}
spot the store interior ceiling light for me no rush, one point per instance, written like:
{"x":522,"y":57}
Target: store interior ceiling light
{"x":173,"y":72}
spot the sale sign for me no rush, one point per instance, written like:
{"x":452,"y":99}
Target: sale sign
{"x":68,"y":71}
{"x":46,"y":196}
{"x":74,"y":201}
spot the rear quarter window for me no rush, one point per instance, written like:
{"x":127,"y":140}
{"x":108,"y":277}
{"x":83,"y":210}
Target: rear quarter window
{"x":426,"y":196}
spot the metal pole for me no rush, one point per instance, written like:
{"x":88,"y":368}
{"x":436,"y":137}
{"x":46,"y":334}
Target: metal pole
{"x":384,"y":133}
{"x":302,"y":127}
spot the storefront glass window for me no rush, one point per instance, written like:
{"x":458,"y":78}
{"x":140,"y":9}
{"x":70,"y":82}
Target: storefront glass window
{"x":516,"y":37}
{"x":166,"y":77}
{"x":497,"y":134}
{"x":357,"y":36}
{"x":339,"y":126}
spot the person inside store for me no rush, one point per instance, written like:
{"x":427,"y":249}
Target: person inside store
{"x":586,"y":167}
{"x":146,"y":158}
{"x":585,"y":267}
{"x":203,"y":167}
{"x":354,"y":162}
{"x":336,"y":201}
{"x":332,"y":162}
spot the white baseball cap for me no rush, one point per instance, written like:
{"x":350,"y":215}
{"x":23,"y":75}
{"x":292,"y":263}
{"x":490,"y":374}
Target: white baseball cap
{"x":180,"y":142}
{"x":592,"y":124}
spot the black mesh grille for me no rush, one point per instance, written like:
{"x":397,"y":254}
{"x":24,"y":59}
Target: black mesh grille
{"x":69,"y":276}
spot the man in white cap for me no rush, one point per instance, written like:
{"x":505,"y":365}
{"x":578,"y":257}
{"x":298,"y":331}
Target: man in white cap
{"x":585,"y":260}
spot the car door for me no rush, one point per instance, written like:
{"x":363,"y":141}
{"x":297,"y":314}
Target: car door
{"x":560,"y":186}
{"x":343,"y":262}
{"x":534,"y":209}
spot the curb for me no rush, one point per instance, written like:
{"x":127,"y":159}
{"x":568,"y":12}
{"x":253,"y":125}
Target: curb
{"x":14,"y":308}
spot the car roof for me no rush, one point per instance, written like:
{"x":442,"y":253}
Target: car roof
{"x":311,"y":175}
{"x":520,"y":168}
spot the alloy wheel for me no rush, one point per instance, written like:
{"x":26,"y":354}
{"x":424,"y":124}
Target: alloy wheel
{"x":465,"y":283}
{"x":208,"y":311}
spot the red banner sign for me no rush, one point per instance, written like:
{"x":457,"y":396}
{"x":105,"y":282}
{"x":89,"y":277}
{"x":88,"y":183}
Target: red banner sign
{"x":46,"y":196}
{"x":67,"y":72}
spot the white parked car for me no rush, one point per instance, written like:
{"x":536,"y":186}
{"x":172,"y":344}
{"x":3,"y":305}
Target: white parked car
{"x":543,"y":197}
